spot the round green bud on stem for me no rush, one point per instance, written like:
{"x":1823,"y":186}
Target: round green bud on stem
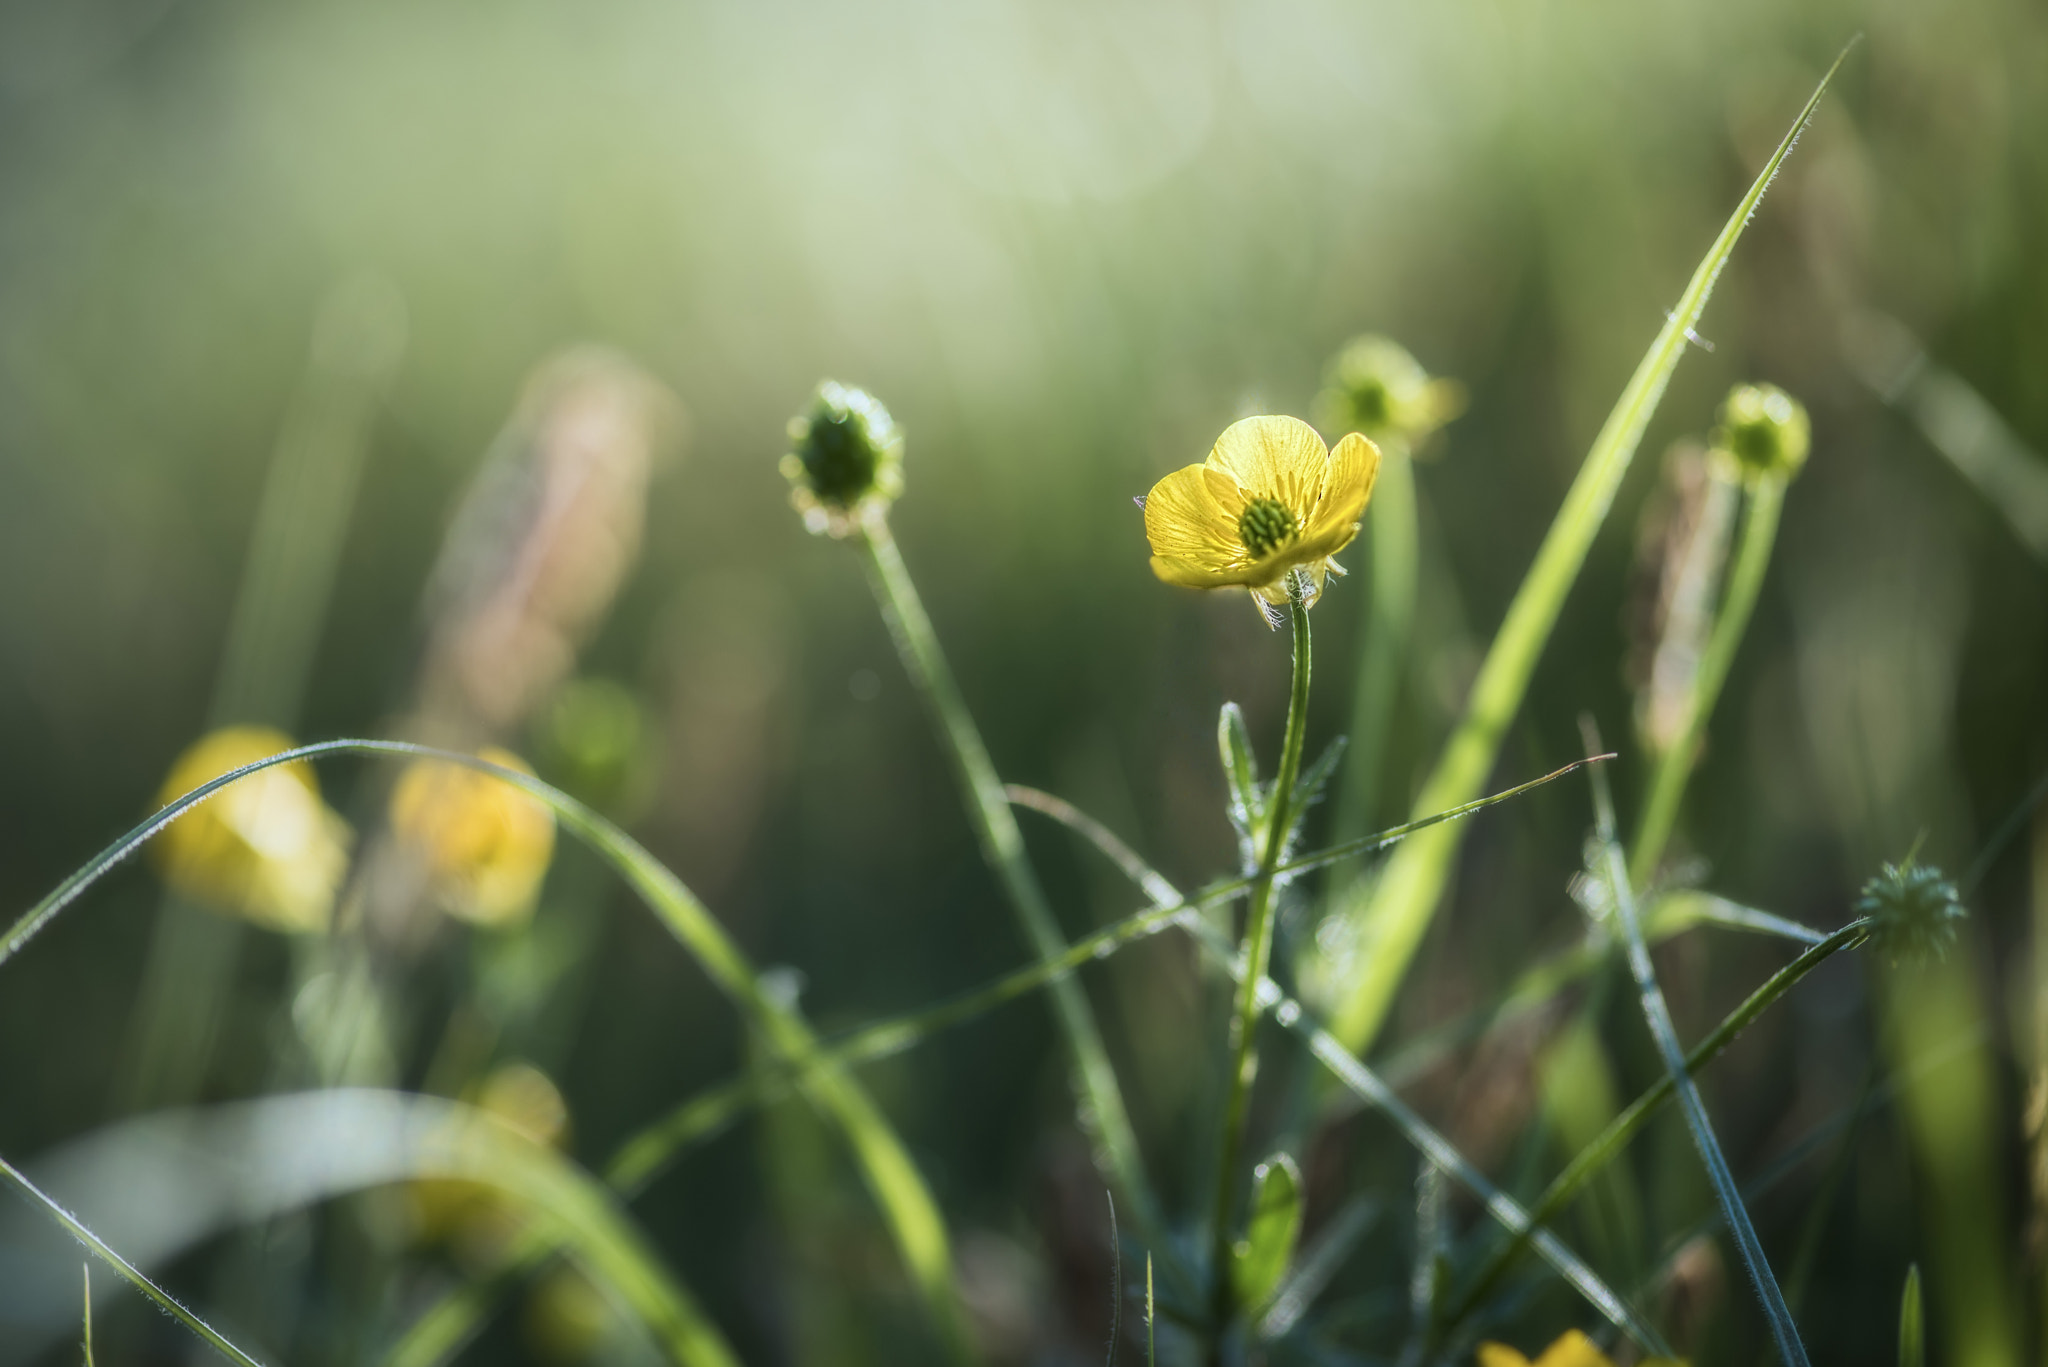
{"x":845,"y":460}
{"x":1764,"y":432}
{"x":1913,"y":909}
{"x":1375,"y":387}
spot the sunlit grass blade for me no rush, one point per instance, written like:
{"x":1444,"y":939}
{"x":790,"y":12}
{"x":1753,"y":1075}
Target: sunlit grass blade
{"x":1610,"y":1142}
{"x":892,"y":1179}
{"x":1406,"y":895}
{"x":166,"y":1302}
{"x":1912,"y":1322}
{"x":1657,"y":1012}
{"x":1101,"y":1104}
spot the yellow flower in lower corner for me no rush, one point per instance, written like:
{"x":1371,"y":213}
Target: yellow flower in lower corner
{"x":265,"y":847}
{"x":1572,"y":1349}
{"x":1265,"y":512}
{"x":485,"y":843}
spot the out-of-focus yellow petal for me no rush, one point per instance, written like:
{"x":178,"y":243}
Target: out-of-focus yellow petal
{"x":485,"y":844}
{"x":1183,"y":522}
{"x":1275,"y":457}
{"x":265,"y":848}
{"x":1573,"y":1349}
{"x":1500,"y":1355}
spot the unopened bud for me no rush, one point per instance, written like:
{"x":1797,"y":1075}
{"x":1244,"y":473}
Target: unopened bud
{"x":1764,"y":432}
{"x":845,"y":460}
{"x":1913,"y":910}
{"x":1375,"y":387}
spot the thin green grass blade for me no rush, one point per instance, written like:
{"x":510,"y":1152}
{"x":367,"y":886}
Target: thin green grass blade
{"x":1784,"y":1332}
{"x":892,"y":1179}
{"x":165,"y":1301}
{"x":1406,"y":895}
{"x":1610,"y":1142}
{"x":1318,"y":1264}
{"x":86,"y":1268}
{"x":1100,"y":1101}
{"x":1912,"y":1322}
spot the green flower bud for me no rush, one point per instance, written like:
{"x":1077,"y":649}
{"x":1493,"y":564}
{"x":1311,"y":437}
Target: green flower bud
{"x":845,"y":461}
{"x":1913,"y":909}
{"x":1375,"y":387}
{"x":1763,"y":431}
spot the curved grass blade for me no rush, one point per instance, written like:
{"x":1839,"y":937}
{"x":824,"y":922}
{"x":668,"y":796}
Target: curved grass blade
{"x":165,"y":1301}
{"x":1658,"y":1013}
{"x":198,"y":1172}
{"x":1406,"y":895}
{"x":906,"y":1203}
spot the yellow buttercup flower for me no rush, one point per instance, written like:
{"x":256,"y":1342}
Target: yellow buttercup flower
{"x":1572,"y":1349}
{"x":476,"y":1219}
{"x":265,"y":848}
{"x":1265,"y":512}
{"x":485,"y":844}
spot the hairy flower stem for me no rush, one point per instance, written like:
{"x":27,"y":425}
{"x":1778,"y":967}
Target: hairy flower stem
{"x":988,"y":807}
{"x":1675,"y":766}
{"x":1257,"y":950}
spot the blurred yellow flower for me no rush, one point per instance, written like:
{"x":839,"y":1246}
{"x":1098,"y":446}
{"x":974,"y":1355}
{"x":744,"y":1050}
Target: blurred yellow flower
{"x":485,"y":844}
{"x":1271,"y":500}
{"x":1572,"y":1349}
{"x":266,"y":847}
{"x":477,"y":1220}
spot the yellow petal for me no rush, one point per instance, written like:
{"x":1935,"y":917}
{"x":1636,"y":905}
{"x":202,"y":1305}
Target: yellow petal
{"x":1183,"y":522}
{"x":1354,"y":468}
{"x":1192,"y":574}
{"x":1275,"y":457}
{"x":1573,"y":1349}
{"x":1500,"y":1355}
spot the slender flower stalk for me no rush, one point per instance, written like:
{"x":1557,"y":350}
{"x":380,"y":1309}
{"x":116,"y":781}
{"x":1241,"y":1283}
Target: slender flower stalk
{"x":1762,"y":443}
{"x":1389,"y":620}
{"x":1101,"y":1101}
{"x":1257,"y":949}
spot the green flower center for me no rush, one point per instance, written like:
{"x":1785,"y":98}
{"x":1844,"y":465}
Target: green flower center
{"x":1265,"y":526}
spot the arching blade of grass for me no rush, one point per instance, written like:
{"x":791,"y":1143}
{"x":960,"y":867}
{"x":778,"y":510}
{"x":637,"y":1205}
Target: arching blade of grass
{"x":165,"y":1301}
{"x":1610,"y":1142}
{"x":198,"y":1172}
{"x":1406,"y":895}
{"x":450,"y":1321}
{"x":892,"y":1179}
{"x":1658,"y":1013}
{"x":1367,"y":1085}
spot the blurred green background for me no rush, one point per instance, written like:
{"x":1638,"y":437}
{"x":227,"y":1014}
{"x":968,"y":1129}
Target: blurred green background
{"x":1066,"y":244}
